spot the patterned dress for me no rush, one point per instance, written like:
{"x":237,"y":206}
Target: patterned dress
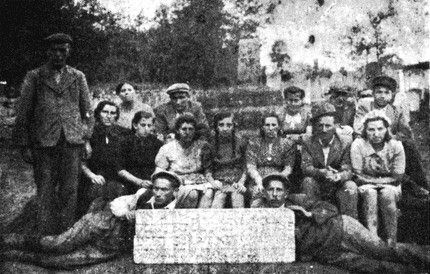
{"x":227,"y":166}
{"x":270,"y":157}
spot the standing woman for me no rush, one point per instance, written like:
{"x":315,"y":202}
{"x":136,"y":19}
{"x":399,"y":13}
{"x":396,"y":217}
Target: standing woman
{"x":189,"y":157}
{"x":228,"y":163}
{"x":137,"y":153}
{"x":129,"y":103}
{"x":266,"y":154}
{"x":379,"y":164}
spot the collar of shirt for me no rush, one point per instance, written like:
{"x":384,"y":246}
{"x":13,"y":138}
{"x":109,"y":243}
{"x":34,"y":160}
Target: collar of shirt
{"x":368,"y":149}
{"x":329,"y":143}
{"x":293,"y":119}
{"x":171,"y":205}
{"x":326,"y":149}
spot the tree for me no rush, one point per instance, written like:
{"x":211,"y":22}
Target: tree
{"x":25,"y":25}
{"x":361,"y":45}
{"x":279,"y":56}
{"x":198,"y":41}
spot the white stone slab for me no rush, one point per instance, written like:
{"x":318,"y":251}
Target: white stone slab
{"x":193,"y":236}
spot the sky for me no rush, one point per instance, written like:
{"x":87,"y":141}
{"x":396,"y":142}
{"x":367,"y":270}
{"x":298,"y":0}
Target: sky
{"x":326,"y":23}
{"x":132,"y":8}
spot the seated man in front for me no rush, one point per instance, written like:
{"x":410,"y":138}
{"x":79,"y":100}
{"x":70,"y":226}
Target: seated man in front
{"x":100,"y":235}
{"x":322,"y":234}
{"x":326,"y":162}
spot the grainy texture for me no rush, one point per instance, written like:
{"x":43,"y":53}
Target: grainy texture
{"x":214,"y":236}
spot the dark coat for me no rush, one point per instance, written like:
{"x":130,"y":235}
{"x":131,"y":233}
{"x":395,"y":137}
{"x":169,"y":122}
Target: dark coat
{"x":47,"y":108}
{"x":338,"y":157}
{"x":317,"y":235}
{"x":165,"y":116}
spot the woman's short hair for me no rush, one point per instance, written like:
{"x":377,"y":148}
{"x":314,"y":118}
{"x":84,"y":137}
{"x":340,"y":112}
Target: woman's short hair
{"x":100,"y":107}
{"x":139,"y":116}
{"x":387,"y":136}
{"x":189,"y":119}
{"x":119,"y":87}
{"x":263,"y":121}
{"x":294,"y":90}
{"x":185,"y":118}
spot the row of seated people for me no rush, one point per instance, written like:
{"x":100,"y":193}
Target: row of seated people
{"x":229,"y":164}
{"x":321,"y":234}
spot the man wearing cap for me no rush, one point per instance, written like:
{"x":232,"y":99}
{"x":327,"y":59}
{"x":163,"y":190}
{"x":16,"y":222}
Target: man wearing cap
{"x":105,"y":232}
{"x":384,"y":88}
{"x":323,"y":235}
{"x":180,"y":103}
{"x":326,"y":162}
{"x":343,"y":99}
{"x":53,"y":123}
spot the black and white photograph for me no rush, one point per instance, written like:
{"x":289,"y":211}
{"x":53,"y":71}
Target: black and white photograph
{"x":214,"y":136}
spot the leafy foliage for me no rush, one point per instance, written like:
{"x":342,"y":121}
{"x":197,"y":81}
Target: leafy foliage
{"x":25,"y":25}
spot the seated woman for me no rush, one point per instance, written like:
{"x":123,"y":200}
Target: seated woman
{"x":228,"y":163}
{"x":379,"y":164}
{"x":295,"y":115}
{"x":188,"y":157}
{"x":129,"y":103}
{"x":99,"y":171}
{"x":136,"y":162}
{"x":295,"y":119}
{"x":267,"y":154}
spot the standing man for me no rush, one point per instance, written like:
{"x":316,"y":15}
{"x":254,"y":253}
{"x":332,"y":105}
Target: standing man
{"x":180,"y":103}
{"x":326,"y":162}
{"x":53,"y":124}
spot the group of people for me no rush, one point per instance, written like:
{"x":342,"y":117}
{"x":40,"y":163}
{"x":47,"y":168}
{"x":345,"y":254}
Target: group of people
{"x":317,"y":161}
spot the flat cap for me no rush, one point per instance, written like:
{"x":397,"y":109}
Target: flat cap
{"x":322,"y":109}
{"x":178,"y":87}
{"x":384,"y":81}
{"x":172,"y":177}
{"x":341,"y":89}
{"x":276,"y":176}
{"x":58,"y":38}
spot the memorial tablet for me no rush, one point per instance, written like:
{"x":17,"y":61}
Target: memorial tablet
{"x":193,"y":236}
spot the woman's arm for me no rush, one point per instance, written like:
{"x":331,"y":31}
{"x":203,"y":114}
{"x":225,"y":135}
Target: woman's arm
{"x":240,"y":185}
{"x":95,"y":179}
{"x":255,"y":175}
{"x":133,"y":179}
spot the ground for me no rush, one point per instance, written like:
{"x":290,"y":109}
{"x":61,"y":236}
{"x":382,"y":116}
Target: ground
{"x":16,"y":187}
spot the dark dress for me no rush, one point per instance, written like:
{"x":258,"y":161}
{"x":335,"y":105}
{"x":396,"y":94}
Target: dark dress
{"x":105,"y":144}
{"x":228,"y":165}
{"x":137,"y":156}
